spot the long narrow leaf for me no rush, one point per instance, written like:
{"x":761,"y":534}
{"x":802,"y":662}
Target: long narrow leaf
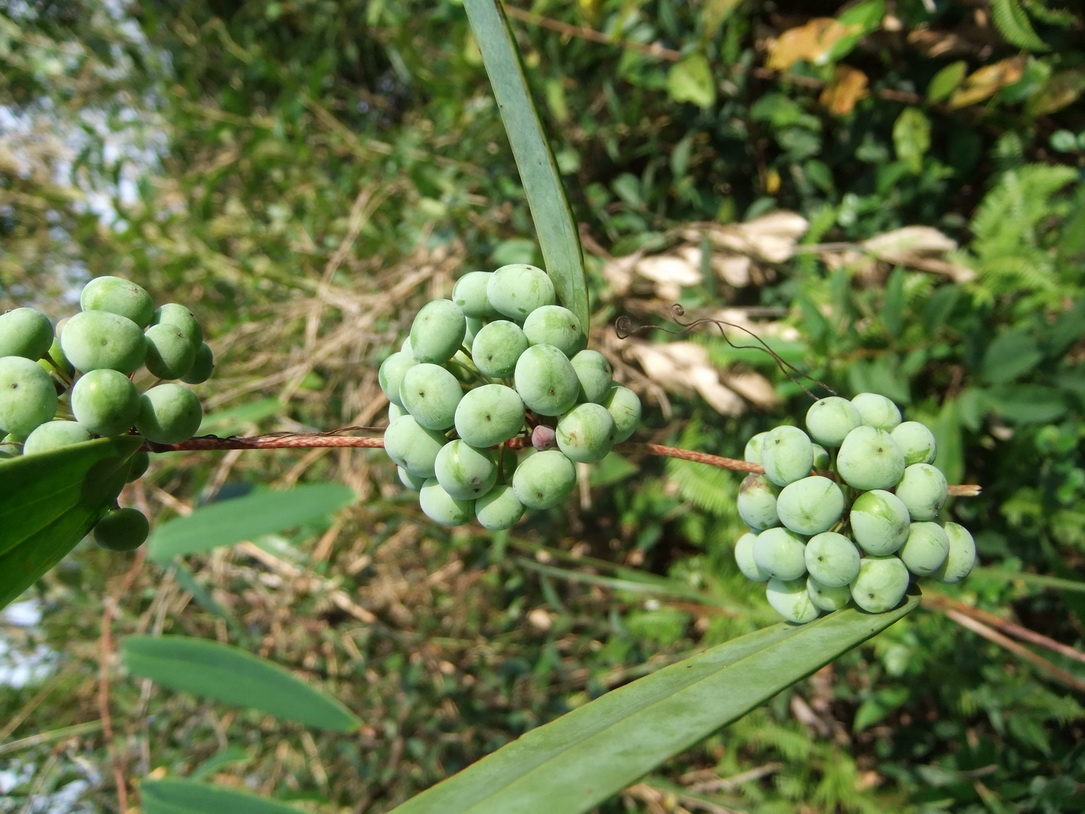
{"x":558,"y":237}
{"x":243,"y":518}
{"x":176,"y":796}
{"x":51,"y":501}
{"x":232,"y":675}
{"x":592,"y":753}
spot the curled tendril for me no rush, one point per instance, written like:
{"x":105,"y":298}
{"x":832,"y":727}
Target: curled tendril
{"x":624,"y":328}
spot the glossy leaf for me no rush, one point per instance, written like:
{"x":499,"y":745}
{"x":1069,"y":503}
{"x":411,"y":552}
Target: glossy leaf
{"x":177,"y":796}
{"x":229,"y":674}
{"x":592,"y":753}
{"x":51,"y":501}
{"x":244,"y":518}
{"x":557,"y":232}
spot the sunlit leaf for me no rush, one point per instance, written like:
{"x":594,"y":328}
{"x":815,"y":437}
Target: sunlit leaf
{"x":947,"y":80}
{"x":244,"y":518}
{"x":176,"y":796}
{"x":691,"y":80}
{"x":844,"y":90}
{"x":912,"y":137}
{"x":234,"y":676}
{"x":557,"y":232}
{"x":51,"y":501}
{"x":985,"y":82}
{"x":592,"y":753}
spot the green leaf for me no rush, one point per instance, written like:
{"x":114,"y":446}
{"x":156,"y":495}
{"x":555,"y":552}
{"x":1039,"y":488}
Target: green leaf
{"x":234,"y":676}
{"x":691,"y":80}
{"x":912,"y":137}
{"x":893,"y":307}
{"x":558,"y":236}
{"x":51,"y":501}
{"x":1011,"y":354}
{"x":244,"y":518}
{"x":947,"y":434}
{"x":1012,"y":22}
{"x":176,"y":796}
{"x":946,"y":81}
{"x":1027,"y":403}
{"x":592,"y":753}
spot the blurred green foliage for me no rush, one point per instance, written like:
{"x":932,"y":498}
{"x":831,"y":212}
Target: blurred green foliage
{"x":283,"y":166}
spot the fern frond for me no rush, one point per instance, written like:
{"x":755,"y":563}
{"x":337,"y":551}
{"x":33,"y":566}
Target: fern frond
{"x":1013,"y":23}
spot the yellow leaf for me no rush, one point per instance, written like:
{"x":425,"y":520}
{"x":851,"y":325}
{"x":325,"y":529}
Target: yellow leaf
{"x":810,"y":42}
{"x":844,"y":90}
{"x":985,"y":82}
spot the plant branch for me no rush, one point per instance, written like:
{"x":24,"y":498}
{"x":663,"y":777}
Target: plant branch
{"x":334,"y":439}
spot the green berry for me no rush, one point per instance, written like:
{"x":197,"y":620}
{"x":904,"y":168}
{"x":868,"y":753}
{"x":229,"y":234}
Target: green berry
{"x":469,"y":293}
{"x":879,"y":522}
{"x":105,"y":402}
{"x":96,"y":340}
{"x":881,"y":584}
{"x":557,"y":326}
{"x":489,"y":415}
{"x":438,"y":331}
{"x":464,"y":471}
{"x":54,"y":362}
{"x":790,"y":599}
{"x":168,"y":414}
{"x":594,"y":373}
{"x":625,"y":408}
{"x":118,"y":296}
{"x":412,"y":482}
{"x":877,"y":411}
{"x":787,"y":455}
{"x":832,"y":559}
{"x":28,"y":397}
{"x":391,"y":372}
{"x":779,"y":552}
{"x":431,"y":394}
{"x":916,"y":442}
{"x":926,"y":548}
{"x":757,"y":502}
{"x":440,"y":507}
{"x":139,"y":464}
{"x":170,"y":354}
{"x":121,"y":530}
{"x":962,"y":555}
{"x":924,"y":490}
{"x":831,"y":419}
{"x":751,"y":453}
{"x":499,"y":508}
{"x":827,"y":597}
{"x":203,"y":365}
{"x":54,"y":435}
{"x":869,"y":459}
{"x":412,"y":447}
{"x":586,"y":433}
{"x":497,"y":347}
{"x":25,"y":332}
{"x":172,"y":313}
{"x":546,"y":380}
{"x":810,"y":505}
{"x":745,"y":561}
{"x":518,"y":289}
{"x":544,"y":479}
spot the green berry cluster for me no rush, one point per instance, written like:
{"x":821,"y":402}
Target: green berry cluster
{"x":847,"y":512}
{"x":498,"y":361}
{"x":77,"y":381}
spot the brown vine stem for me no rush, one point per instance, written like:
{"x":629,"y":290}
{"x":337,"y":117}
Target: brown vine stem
{"x":335,"y":440}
